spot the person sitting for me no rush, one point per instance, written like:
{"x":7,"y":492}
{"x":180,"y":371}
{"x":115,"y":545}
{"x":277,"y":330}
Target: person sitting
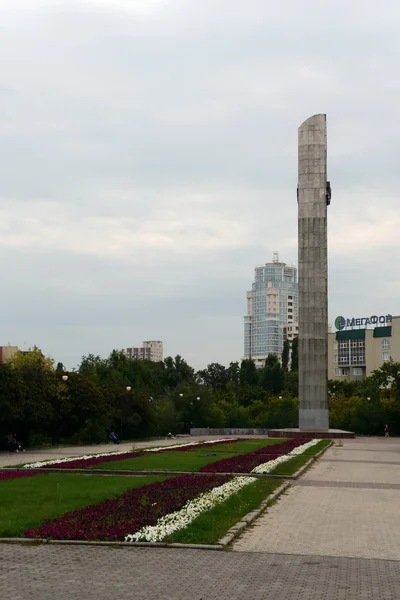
{"x":13,"y":444}
{"x":114,"y":437}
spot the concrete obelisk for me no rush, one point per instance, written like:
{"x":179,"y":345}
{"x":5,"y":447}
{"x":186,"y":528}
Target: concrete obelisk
{"x":313,"y":195}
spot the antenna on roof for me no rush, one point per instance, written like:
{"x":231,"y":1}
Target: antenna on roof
{"x":275,"y":256}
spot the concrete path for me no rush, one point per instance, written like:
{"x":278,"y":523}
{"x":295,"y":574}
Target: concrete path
{"x":347,"y":505}
{"x":335,"y":535}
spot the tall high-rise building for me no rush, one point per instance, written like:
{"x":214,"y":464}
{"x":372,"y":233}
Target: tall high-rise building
{"x":272,"y":310}
{"x":151,"y":350}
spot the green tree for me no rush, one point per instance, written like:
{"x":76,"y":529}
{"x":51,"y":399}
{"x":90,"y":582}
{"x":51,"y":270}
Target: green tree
{"x":387,"y":377}
{"x":215,"y":376}
{"x":11,"y":401}
{"x":37,"y":392}
{"x":248,"y":372}
{"x":177,"y":372}
{"x":285,"y":355}
{"x":294,"y":365}
{"x":272,"y":375}
{"x":234,"y":375}
{"x":81,"y":410}
{"x":291,"y":383}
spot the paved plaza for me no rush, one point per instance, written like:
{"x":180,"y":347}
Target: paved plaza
{"x":347,"y":505}
{"x":334,"y":535}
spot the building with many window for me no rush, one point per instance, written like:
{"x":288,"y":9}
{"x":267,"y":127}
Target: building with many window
{"x":353,"y":353}
{"x":272,"y":310}
{"x":151,"y":350}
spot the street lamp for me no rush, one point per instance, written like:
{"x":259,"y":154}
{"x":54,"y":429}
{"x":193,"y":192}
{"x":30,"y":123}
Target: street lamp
{"x":280,"y":397}
{"x":181,"y":395}
{"x":128,"y":388}
{"x":64,"y":377}
{"x":198,"y":398}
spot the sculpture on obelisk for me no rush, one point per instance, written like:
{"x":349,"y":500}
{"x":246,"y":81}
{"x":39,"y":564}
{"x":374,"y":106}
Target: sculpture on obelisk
{"x":313,"y":196}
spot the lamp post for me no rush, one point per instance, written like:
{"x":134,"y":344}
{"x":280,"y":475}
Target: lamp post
{"x":369,"y":412}
{"x":128,"y":389}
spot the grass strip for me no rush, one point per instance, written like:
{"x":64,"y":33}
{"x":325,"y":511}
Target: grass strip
{"x":294,"y":464}
{"x":188,"y":461}
{"x":246,"y":446}
{"x":213,"y":524}
{"x":26,"y":503}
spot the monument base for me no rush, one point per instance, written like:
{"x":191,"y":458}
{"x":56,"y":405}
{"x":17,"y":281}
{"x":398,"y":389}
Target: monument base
{"x":319,"y":434}
{"x":313,"y":418}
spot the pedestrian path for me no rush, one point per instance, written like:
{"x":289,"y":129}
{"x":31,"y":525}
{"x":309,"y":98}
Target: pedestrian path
{"x":347,"y":505}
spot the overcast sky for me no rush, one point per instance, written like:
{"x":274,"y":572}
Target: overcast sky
{"x":148,"y":161}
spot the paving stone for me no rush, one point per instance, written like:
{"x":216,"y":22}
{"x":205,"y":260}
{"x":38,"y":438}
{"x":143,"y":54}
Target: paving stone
{"x":339,"y":508}
{"x":69,"y":573}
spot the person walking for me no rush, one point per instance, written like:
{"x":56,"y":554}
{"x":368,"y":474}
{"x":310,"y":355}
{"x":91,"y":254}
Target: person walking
{"x":386,"y":430}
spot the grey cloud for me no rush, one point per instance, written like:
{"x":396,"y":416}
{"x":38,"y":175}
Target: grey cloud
{"x":148,"y":162}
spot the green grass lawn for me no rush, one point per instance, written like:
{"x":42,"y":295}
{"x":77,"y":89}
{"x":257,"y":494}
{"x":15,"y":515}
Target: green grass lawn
{"x":244,"y":446}
{"x":294,"y":464}
{"x":190,"y":460}
{"x":213,"y":524}
{"x":27,"y":502}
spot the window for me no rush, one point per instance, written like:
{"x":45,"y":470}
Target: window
{"x":344,"y":372}
{"x":335,"y":345}
{"x":385,"y":356}
{"x":335,"y":358}
{"x":385,"y":344}
{"x":337,"y":372}
{"x":357,"y":371}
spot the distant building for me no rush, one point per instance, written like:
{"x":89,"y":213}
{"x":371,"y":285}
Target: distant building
{"x":272,"y":310}
{"x":151,"y":350}
{"x":355,"y":351}
{"x":7,"y":352}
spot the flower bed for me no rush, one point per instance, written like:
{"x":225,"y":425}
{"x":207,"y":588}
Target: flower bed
{"x":115,"y":518}
{"x":178,"y":520}
{"x":15,"y":474}
{"x":154,"y":511}
{"x":245,"y":463}
{"x":89,"y":460}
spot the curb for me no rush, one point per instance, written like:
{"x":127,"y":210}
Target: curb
{"x":309,"y":463}
{"x":125,"y":473}
{"x":41,"y":542}
{"x":234,"y":531}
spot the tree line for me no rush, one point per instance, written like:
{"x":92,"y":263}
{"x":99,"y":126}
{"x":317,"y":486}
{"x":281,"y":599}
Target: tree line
{"x":43,"y":404}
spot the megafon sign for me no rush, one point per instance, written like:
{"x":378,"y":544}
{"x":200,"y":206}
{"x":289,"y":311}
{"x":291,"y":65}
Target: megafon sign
{"x":341,"y":322}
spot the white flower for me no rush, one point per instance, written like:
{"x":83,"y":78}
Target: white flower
{"x":39,"y":464}
{"x":193,"y":508}
{"x":272,"y":464}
